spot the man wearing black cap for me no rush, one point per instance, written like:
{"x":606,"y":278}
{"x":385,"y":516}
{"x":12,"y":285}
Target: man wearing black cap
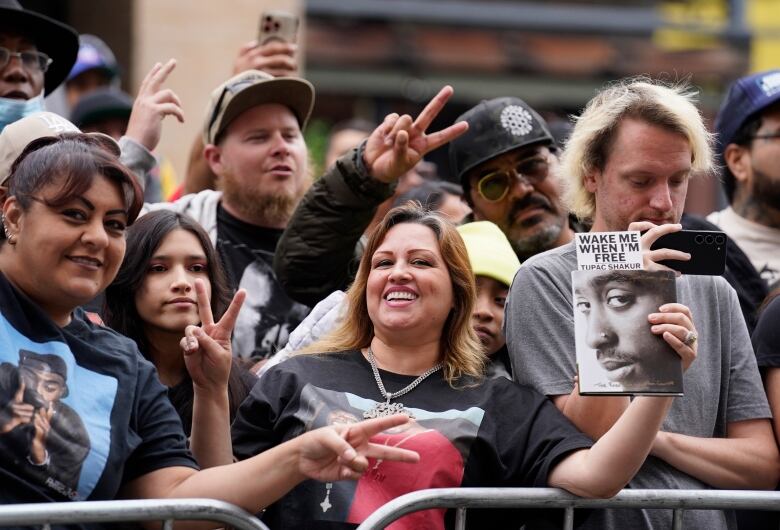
{"x":36,"y":54}
{"x":505,"y":161}
{"x":748,"y":149}
{"x":32,"y":416}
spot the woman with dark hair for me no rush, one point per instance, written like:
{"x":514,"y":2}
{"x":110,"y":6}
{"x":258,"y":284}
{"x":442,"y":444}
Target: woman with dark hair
{"x":64,"y":223}
{"x":407,"y":344}
{"x":154,"y":299}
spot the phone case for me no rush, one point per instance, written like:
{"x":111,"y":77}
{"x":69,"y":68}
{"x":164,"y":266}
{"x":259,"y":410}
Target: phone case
{"x":707,"y":249}
{"x":277,"y":25}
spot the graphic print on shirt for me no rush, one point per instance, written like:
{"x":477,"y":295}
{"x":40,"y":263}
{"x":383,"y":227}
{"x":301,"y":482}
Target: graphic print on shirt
{"x":54,"y":415}
{"x":443,"y":440}
{"x":268,"y":315}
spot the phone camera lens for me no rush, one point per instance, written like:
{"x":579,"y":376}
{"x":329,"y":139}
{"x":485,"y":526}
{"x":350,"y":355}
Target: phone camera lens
{"x":699,"y":239}
{"x":709,"y":240}
{"x":720,"y":240}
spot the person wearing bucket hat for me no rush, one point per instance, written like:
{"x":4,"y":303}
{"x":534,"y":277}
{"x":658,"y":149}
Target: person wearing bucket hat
{"x":748,"y":148}
{"x":36,"y":53}
{"x":505,"y":163}
{"x":254,"y":143}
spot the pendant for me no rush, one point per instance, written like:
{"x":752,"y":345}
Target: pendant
{"x":326,"y":505}
{"x":386,"y":409}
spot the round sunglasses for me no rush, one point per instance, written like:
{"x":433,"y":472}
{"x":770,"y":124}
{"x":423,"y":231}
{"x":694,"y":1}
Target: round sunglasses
{"x":494,"y":186}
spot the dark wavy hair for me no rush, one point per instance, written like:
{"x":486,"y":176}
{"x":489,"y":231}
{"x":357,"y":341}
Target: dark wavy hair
{"x":121,"y":314}
{"x":72,"y":160}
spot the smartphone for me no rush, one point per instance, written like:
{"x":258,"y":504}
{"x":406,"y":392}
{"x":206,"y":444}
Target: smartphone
{"x":706,"y":247}
{"x":277,"y":25}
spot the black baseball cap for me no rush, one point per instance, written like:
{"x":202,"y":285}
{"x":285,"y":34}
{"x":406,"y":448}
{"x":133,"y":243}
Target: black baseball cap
{"x":496,"y":126}
{"x":746,"y":97}
{"x":101,"y":104}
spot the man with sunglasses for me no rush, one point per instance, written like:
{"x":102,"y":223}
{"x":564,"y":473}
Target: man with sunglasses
{"x":36,"y":54}
{"x":748,"y":126}
{"x":506,"y":163}
{"x":504,"y":159}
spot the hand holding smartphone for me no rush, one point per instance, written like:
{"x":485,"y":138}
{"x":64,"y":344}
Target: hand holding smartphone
{"x":277,"y":26}
{"x":707,"y":249}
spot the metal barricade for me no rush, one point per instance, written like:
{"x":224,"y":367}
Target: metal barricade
{"x":46,"y":514}
{"x":464,"y":498}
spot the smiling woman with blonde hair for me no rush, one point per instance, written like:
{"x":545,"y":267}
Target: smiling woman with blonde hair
{"x":407,"y":345}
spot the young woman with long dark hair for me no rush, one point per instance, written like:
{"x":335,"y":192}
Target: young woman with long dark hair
{"x":154,"y":299}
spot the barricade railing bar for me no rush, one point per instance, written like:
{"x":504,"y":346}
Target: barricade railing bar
{"x":544,"y":498}
{"x":167,"y":510}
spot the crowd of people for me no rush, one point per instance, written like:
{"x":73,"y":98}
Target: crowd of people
{"x":310,"y":349}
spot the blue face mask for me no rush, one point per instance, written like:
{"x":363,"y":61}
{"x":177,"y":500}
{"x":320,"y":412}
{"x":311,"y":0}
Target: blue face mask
{"x":12,"y":110}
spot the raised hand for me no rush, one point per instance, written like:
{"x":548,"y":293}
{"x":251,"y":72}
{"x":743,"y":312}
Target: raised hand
{"x":342,"y":451}
{"x":207,"y":350}
{"x":152,"y":104}
{"x":275,"y":57}
{"x":650,"y":258}
{"x":16,"y":412}
{"x":399,"y":143}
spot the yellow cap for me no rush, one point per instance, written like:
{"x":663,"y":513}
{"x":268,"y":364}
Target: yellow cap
{"x":489,"y":251}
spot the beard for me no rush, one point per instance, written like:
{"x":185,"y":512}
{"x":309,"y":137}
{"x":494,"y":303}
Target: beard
{"x":538,"y":242}
{"x":265,"y":207}
{"x":766,"y":189}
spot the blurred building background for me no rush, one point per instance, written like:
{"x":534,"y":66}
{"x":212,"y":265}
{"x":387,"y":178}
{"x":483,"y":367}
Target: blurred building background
{"x":370,"y":57}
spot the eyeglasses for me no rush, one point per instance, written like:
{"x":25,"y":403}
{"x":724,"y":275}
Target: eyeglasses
{"x":768,"y":136}
{"x":33,"y":61}
{"x":495,"y":185}
{"x":238,"y":86}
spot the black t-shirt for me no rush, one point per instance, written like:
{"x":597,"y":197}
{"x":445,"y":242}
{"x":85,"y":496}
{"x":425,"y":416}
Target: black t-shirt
{"x":111,"y":421}
{"x":491,"y":433}
{"x":766,"y":337}
{"x":268,"y":315}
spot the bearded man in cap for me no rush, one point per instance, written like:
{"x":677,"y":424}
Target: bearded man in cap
{"x":254,"y":143}
{"x":506,"y":163}
{"x":36,"y":54}
{"x":748,"y":126}
{"x":501,"y":150}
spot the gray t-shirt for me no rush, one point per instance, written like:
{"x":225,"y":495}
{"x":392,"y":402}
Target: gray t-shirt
{"x":722,"y":385}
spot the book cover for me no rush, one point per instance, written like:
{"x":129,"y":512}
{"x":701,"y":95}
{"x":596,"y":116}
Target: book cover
{"x":616,"y":351}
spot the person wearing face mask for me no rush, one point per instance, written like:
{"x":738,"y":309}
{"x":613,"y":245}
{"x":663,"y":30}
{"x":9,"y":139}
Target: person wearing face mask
{"x":36,"y":54}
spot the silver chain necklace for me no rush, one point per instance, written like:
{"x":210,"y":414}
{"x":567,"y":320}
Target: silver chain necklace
{"x":387,"y":408}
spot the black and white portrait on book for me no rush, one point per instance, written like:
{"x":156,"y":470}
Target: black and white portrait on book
{"x":616,"y":350}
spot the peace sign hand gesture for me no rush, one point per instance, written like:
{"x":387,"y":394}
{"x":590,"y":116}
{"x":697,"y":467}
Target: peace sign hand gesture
{"x":207,"y":350}
{"x":340,"y":452}
{"x":399,"y":143}
{"x":152,"y":104}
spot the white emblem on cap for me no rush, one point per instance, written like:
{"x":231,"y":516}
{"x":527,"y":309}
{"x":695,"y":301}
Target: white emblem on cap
{"x":770,"y":84}
{"x":57,"y":124}
{"x":517,"y":120}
